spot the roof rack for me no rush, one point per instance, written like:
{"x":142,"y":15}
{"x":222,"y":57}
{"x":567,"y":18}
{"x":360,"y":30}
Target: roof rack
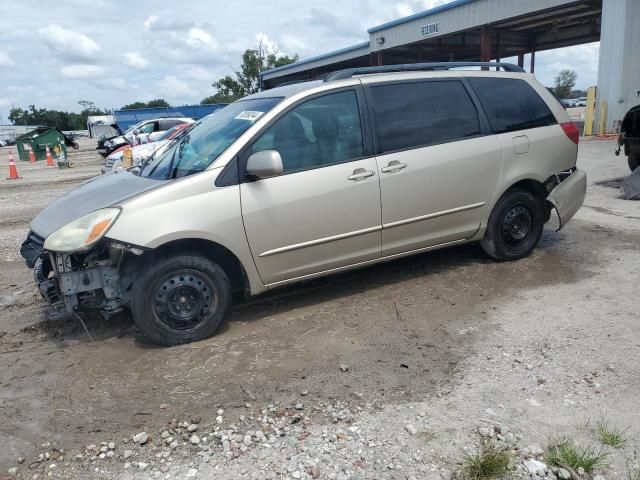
{"x":411,"y":67}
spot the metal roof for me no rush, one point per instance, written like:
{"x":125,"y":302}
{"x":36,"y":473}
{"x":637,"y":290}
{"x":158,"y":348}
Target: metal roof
{"x":342,"y":51}
{"x":415,"y":16}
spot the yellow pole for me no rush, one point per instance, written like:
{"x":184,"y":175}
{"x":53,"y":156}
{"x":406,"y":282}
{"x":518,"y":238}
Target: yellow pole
{"x":590,"y":111}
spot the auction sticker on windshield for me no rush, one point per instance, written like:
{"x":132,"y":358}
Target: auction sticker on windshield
{"x":250,"y":115}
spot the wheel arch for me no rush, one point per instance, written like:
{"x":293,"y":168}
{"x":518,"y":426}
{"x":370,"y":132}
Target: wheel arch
{"x":214,"y":251}
{"x":527,"y":183}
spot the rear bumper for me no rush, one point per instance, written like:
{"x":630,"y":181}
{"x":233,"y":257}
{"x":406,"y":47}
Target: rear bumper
{"x":568,"y":196}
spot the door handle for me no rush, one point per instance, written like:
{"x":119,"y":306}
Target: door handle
{"x":393,"y":166}
{"x":360,"y":173}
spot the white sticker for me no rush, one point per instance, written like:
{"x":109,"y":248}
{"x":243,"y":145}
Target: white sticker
{"x":249,"y":115}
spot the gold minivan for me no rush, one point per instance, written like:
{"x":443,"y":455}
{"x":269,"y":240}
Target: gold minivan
{"x":308,"y":179}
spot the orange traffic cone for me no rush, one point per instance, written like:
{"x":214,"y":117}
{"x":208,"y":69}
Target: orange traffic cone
{"x":49,"y":158}
{"x":32,"y":156}
{"x":13,"y":171}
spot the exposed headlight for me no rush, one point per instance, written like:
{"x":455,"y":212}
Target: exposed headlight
{"x":83,"y":232}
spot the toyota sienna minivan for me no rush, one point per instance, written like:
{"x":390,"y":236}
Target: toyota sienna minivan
{"x":309,"y":179}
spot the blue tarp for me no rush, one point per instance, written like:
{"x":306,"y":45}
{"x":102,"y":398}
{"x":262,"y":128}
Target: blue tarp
{"x":127,"y":118}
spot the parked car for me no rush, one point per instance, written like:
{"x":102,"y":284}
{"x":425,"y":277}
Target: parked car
{"x":142,"y":153}
{"x":139,"y":132}
{"x":310,"y":179}
{"x":629,"y":139}
{"x":581,"y":102}
{"x":568,"y":102}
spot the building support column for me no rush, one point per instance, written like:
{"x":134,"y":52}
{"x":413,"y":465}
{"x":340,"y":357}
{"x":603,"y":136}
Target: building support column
{"x":379,"y":58}
{"x":619,"y":63}
{"x":532,"y":47}
{"x":521,"y":60}
{"x":485,"y":44}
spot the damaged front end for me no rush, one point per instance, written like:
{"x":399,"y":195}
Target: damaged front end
{"x":91,"y":280}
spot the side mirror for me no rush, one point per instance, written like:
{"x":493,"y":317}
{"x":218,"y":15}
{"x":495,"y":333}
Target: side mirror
{"x":264,"y":164}
{"x":135,"y":170}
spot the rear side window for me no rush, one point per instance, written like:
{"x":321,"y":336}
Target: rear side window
{"x":411,"y":115}
{"x":511,"y":104}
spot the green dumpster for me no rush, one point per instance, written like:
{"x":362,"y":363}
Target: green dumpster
{"x":38,"y":140}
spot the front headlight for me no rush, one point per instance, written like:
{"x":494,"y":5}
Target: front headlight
{"x":83,"y":232}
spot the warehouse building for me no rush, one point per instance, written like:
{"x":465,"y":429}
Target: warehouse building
{"x":484,"y":30}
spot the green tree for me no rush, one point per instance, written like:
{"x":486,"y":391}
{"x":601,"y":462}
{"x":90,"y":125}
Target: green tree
{"x":157,"y":103}
{"x":55,"y":118}
{"x":564,"y":83}
{"x":245,"y":80}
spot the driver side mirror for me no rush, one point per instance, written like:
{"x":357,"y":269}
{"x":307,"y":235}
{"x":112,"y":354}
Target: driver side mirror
{"x":264,"y":164}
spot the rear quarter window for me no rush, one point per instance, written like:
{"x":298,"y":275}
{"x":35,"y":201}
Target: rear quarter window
{"x":418,"y":114}
{"x":512,"y":104}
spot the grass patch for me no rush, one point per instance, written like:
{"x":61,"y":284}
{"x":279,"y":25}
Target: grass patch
{"x":428,"y":434}
{"x":565,"y":453}
{"x":610,"y":436}
{"x":490,"y":461}
{"x":633,"y":474}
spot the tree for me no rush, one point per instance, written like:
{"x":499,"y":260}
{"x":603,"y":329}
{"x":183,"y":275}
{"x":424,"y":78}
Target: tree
{"x":245,"y":80}
{"x":157,"y":103}
{"x":55,"y":118}
{"x":564,"y":83}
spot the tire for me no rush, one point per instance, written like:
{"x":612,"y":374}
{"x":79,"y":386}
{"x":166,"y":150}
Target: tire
{"x":180,"y":299}
{"x":634,"y":161}
{"x":514,"y":227}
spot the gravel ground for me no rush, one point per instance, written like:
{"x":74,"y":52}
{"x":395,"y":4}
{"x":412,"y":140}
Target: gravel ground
{"x":394,"y":371}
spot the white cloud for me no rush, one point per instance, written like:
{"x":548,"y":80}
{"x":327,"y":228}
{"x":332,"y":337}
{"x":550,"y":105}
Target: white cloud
{"x":111,"y":84}
{"x":68,"y":43}
{"x":197,"y":73}
{"x":198,"y":37}
{"x":82,"y":71}
{"x":172,"y":87}
{"x":135,"y":60}
{"x":5,"y":60}
{"x":150,"y":21}
{"x":158,"y":24}
{"x":6,"y":101}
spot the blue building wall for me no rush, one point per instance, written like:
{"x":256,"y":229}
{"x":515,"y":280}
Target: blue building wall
{"x":128,"y":118}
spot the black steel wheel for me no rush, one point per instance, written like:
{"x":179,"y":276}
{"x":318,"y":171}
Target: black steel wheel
{"x":180,"y":299}
{"x":515,"y":226}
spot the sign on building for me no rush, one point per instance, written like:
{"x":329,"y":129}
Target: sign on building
{"x":429,"y":30}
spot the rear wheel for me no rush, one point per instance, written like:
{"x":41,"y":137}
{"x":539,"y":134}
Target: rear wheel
{"x":180,"y":299}
{"x":634,"y":161}
{"x":514,"y":227}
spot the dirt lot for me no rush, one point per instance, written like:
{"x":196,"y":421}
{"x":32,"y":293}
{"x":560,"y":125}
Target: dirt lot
{"x":446,"y":342}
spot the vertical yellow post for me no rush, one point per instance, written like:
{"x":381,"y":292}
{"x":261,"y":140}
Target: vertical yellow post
{"x":589,"y":111}
{"x":602,"y":125}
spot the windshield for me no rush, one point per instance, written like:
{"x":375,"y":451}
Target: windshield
{"x":204,"y":143}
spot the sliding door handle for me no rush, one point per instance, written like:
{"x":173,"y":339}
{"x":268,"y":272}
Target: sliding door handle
{"x":394,"y":166}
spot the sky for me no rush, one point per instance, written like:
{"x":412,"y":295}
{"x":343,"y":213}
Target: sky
{"x":112,"y":52}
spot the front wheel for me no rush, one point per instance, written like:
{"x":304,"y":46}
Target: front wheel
{"x":514,"y":227}
{"x":180,"y":299}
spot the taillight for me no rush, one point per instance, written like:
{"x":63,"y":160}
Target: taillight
{"x":571,"y":131}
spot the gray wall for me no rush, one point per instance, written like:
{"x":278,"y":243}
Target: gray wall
{"x":619,"y":63}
